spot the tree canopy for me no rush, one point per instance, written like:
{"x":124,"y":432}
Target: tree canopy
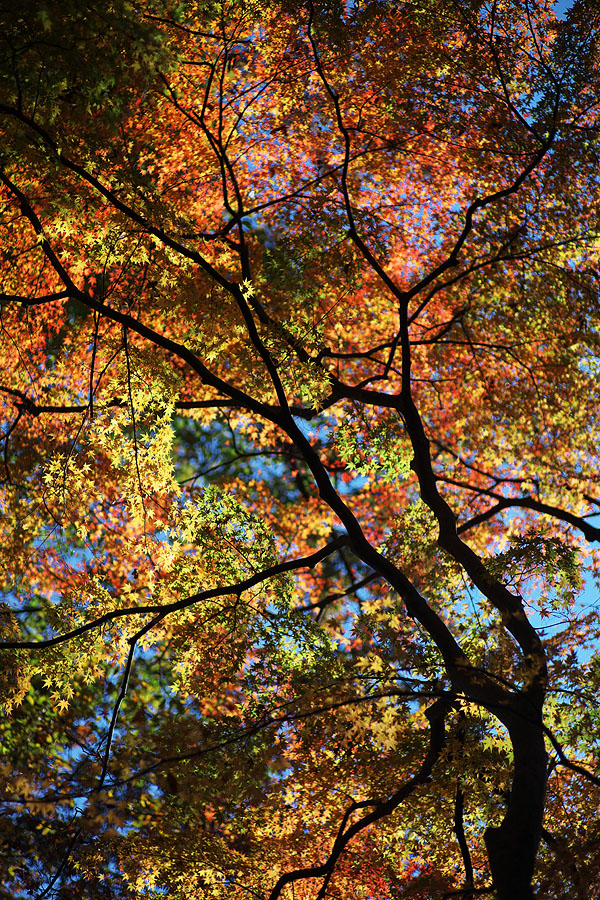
{"x":299,"y":340}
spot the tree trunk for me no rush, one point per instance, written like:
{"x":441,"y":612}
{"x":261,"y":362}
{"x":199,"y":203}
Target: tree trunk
{"x":512,"y":847}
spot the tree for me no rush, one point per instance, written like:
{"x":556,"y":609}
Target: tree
{"x":299,"y":348}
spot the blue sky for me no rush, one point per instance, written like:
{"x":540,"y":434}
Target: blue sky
{"x":562,"y":6}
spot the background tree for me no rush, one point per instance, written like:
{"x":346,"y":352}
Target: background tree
{"x":299,"y":348}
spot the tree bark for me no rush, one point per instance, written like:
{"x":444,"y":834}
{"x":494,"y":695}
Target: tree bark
{"x":512,"y":847}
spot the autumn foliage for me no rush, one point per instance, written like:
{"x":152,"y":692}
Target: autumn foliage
{"x":299,"y":343}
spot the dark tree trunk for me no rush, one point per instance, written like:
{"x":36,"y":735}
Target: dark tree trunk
{"x":512,"y":847}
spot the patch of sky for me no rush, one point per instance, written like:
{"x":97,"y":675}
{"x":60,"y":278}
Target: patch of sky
{"x":562,"y":7}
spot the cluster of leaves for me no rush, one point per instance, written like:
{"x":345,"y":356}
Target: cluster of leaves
{"x":299,"y":337}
